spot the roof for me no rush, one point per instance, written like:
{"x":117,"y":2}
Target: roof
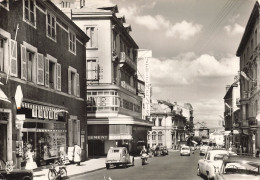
{"x":249,"y":28}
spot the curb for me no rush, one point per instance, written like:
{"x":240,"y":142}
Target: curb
{"x":86,"y":172}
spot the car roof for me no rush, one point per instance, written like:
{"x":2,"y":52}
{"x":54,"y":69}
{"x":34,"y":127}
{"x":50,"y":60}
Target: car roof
{"x":243,"y":159}
{"x":218,"y":151}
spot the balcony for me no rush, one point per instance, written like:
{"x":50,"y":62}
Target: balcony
{"x":128,"y":87}
{"x":126,"y":60}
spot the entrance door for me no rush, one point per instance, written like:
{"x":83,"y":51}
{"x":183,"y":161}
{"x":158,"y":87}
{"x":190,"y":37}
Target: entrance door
{"x":3,"y":144}
{"x":96,"y":148}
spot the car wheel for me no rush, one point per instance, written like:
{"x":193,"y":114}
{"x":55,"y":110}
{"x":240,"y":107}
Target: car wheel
{"x":107,"y":166}
{"x":198,"y":171}
{"x":133,"y":162}
{"x":208,"y":176}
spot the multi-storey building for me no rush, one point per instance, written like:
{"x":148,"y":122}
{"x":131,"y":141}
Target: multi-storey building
{"x":169,"y":124}
{"x":248,"y":52}
{"x":43,"y":52}
{"x":201,"y":130}
{"x":113,"y":109}
{"x":232,"y":115}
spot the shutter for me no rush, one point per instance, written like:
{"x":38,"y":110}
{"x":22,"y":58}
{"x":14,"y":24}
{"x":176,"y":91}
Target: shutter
{"x":13,"y":58}
{"x":23,"y":63}
{"x":78,"y":131}
{"x":40,"y":69}
{"x":58,"y":77}
{"x":69,"y":81}
{"x":70,"y":132}
{"x":77,"y":83}
{"x":47,"y":77}
{"x":95,"y":39}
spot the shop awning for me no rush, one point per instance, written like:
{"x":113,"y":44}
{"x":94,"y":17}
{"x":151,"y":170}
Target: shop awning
{"x":3,"y":97}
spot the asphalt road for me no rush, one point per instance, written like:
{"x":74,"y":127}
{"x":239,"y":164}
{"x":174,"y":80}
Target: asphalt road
{"x":172,"y":166}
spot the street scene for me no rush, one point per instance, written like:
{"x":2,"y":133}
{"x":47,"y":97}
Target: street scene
{"x":140,"y":89}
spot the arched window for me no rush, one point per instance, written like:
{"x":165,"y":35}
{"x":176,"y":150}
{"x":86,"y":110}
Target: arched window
{"x":153,"y":135}
{"x":159,"y":135}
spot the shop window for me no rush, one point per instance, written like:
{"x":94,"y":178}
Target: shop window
{"x":29,"y":9}
{"x":72,"y":42}
{"x":92,"y":34}
{"x":51,"y":26}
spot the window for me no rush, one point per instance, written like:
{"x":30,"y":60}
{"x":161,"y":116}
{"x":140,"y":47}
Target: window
{"x":73,"y":82}
{"x":92,"y":34}
{"x":51,"y":26}
{"x":92,"y":70}
{"x":153,"y":135}
{"x":31,"y":66}
{"x":160,"y":136}
{"x":160,"y":122}
{"x":52,"y":73}
{"x":72,"y":42}
{"x":29,"y":11}
{"x":3,"y":54}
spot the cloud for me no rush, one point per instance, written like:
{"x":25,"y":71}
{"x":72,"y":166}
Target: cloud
{"x":234,"y":30}
{"x":188,"y":68}
{"x":183,"y":30}
{"x":152,"y":23}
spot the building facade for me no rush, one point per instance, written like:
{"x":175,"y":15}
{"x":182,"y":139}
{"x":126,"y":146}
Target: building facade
{"x":201,"y":130}
{"x":248,"y":52}
{"x":43,"y":52}
{"x":114,"y":109}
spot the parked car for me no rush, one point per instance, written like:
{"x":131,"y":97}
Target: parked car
{"x":239,"y":167}
{"x":185,"y":151}
{"x":118,"y":156}
{"x":203,"y":149}
{"x":164,"y":151}
{"x":212,"y":160}
{"x":15,"y":174}
{"x":158,"y":150}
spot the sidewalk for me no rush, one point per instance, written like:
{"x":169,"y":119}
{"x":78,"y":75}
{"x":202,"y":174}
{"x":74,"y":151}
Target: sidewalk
{"x":88,"y":166}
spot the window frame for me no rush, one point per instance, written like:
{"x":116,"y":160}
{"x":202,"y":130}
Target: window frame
{"x":54,"y":61}
{"x":70,"y":41}
{"x":76,"y":85}
{"x":28,"y":21}
{"x":55,"y":26}
{"x":92,"y":70}
{"x":89,"y":44}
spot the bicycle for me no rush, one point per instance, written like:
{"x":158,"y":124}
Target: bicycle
{"x":53,"y":174}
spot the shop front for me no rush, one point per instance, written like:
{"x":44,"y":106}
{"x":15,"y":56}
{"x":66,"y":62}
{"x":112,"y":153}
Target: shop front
{"x":44,"y":132}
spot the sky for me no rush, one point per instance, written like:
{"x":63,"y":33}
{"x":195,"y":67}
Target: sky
{"x":194,"y":44}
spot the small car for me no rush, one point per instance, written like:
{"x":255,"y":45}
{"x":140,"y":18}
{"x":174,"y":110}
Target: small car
{"x":15,"y":174}
{"x":158,"y":150}
{"x":204,"y":149}
{"x":164,"y":151}
{"x":185,"y":151}
{"x":119,"y":156}
{"x":239,"y":167}
{"x":213,"y":159}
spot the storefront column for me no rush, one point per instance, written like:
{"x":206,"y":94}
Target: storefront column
{"x":9,"y":137}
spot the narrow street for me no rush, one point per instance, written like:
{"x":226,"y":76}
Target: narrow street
{"x":172,"y":166}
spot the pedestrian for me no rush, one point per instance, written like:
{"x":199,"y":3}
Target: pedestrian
{"x":30,"y":163}
{"x":77,"y":154}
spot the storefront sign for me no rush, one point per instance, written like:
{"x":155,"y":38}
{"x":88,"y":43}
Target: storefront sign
{"x":120,"y":137}
{"x":97,"y":138}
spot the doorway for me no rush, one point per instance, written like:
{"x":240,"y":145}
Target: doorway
{"x":3,"y":141}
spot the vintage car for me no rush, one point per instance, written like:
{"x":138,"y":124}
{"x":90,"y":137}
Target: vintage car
{"x":165,"y":151}
{"x":185,"y":151}
{"x":239,"y":167}
{"x":14,"y":174}
{"x":212,"y":160}
{"x":158,"y":150}
{"x":118,"y":156}
{"x":203,"y":149}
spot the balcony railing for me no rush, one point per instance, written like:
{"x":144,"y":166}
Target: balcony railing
{"x":125,"y":59}
{"x":128,"y":87}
